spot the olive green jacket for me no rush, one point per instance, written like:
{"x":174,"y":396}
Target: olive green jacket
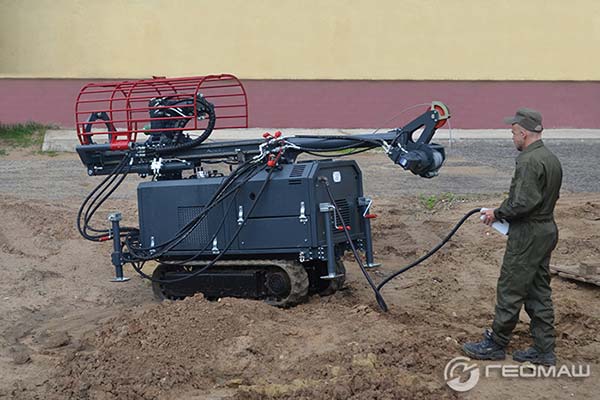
{"x":534,"y":188}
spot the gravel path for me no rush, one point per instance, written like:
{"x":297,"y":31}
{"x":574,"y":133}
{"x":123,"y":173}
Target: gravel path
{"x":579,"y":159}
{"x":472,"y":167}
{"x":483,"y":167}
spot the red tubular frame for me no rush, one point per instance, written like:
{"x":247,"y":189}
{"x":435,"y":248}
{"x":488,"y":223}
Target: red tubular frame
{"x":124,"y":111}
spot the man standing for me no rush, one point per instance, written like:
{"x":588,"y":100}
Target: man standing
{"x":525,"y":276}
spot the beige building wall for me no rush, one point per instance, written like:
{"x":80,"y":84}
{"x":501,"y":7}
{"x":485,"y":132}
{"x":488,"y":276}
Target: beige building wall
{"x":302,"y":39}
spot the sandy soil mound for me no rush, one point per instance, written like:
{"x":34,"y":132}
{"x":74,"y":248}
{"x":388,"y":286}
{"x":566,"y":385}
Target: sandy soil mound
{"x":252,"y":350}
{"x":70,"y":335}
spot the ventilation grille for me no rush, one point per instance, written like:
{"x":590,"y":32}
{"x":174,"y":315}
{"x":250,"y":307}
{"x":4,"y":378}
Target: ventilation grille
{"x":295,"y":181}
{"x":199,"y":237}
{"x":344,"y":209}
{"x":297,"y":170}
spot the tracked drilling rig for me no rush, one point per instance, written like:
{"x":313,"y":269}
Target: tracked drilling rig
{"x":271,"y":227}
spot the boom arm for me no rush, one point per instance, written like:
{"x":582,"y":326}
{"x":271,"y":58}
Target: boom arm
{"x":419,"y":155}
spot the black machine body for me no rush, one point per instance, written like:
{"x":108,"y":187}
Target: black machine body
{"x":287,"y":225}
{"x":271,"y":228}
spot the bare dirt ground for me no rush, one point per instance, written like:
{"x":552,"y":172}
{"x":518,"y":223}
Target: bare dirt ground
{"x":66,"y":332}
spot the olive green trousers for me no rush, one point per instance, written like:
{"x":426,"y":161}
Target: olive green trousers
{"x":525,"y":280}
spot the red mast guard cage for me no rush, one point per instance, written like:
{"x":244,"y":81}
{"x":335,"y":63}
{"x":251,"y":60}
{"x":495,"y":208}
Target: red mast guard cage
{"x":121,"y":110}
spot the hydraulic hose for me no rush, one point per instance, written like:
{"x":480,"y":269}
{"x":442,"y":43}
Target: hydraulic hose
{"x":378,"y":296}
{"x":217,"y":198}
{"x":377,"y":289}
{"x":96,"y":198}
{"x":225,"y":249}
{"x":430,"y":252}
{"x":212,"y":119}
{"x":202,"y":215}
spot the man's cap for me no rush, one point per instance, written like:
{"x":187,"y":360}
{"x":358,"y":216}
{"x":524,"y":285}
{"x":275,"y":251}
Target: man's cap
{"x":528,"y":119}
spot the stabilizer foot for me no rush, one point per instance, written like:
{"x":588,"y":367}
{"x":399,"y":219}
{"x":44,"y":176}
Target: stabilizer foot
{"x":121,"y":279}
{"x":332,"y":276}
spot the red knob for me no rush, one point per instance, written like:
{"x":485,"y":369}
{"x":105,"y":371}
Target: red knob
{"x":266,"y":135}
{"x":277,"y":134}
{"x":370,"y":216}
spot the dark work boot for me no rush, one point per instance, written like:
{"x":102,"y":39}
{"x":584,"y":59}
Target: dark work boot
{"x":534,"y":356}
{"x":487,"y":349}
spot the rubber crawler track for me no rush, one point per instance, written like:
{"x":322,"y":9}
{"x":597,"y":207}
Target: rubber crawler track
{"x":296,"y":273}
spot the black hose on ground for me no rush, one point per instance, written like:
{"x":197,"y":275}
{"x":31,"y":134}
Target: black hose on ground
{"x":376,"y":289}
{"x":432,"y":251}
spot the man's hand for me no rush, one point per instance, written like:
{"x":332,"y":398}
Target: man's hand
{"x":487,"y":216}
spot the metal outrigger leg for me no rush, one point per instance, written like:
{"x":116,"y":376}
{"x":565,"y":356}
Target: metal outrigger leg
{"x":116,"y":257}
{"x":326,"y":209}
{"x":365,"y":204}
